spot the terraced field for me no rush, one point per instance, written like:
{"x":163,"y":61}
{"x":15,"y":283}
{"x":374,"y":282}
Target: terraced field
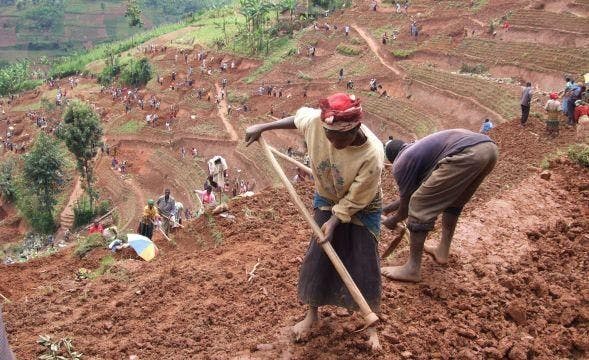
{"x":254,"y":154}
{"x":188,"y":175}
{"x":400,"y":113}
{"x":532,"y":56}
{"x":488,"y":94}
{"x":537,"y":19}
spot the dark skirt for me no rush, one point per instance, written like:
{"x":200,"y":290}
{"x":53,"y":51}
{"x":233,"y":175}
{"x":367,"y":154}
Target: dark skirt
{"x":145,"y":229}
{"x":319,"y":282}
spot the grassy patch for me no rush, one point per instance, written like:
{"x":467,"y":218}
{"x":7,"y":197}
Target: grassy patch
{"x":236,"y":97}
{"x":105,"y":264}
{"x":473,"y":69}
{"x":280,"y":49}
{"x":130,"y":127}
{"x":89,"y":243}
{"x":304,"y":76}
{"x":402,"y":53}
{"x":207,"y":128}
{"x":478,"y":5}
{"x":206,"y":30}
{"x":76,"y":63}
{"x":348,"y":50}
{"x":579,"y":154}
{"x":28,"y":107}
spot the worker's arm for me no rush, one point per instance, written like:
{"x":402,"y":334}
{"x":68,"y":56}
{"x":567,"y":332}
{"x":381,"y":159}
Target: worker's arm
{"x":401,"y":214}
{"x":253,"y":133}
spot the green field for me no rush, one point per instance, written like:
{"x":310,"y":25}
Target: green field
{"x":75,"y":25}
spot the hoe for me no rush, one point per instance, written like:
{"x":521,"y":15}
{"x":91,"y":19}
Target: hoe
{"x":369,"y":316}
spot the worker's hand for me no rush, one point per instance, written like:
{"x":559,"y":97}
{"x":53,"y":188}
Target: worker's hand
{"x":253,"y":133}
{"x":328,"y":228}
{"x":390,"y":222}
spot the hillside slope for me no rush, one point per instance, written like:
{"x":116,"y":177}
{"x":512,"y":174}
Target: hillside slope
{"x":515,"y":287}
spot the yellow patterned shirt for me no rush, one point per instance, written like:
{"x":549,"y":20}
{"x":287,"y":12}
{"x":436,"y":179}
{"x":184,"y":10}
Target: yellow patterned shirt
{"x":349,"y":177}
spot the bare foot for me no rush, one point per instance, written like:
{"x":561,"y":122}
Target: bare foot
{"x":301,"y":328}
{"x":373,"y":341}
{"x":436,"y":254}
{"x":402,"y":273}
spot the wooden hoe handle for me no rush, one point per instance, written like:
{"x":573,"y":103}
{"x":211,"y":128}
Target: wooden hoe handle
{"x":369,"y":316}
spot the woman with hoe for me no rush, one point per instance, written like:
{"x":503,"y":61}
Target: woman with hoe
{"x":346,"y":161}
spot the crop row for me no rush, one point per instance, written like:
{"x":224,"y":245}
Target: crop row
{"x":254,"y":152}
{"x":547,"y":20}
{"x":400,"y":113}
{"x":569,"y":60}
{"x":187,"y":176}
{"x":484,"y":92}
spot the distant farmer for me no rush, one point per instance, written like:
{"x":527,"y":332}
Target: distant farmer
{"x":486,"y":127}
{"x":575,"y":95}
{"x":437,"y":174}
{"x":341,"y":75}
{"x":176,"y":217}
{"x":96,"y":228}
{"x":207,"y":196}
{"x":346,"y":160}
{"x":218,"y":170}
{"x":526,"y":99}
{"x":165,"y":207}
{"x":553,"y":109}
{"x":582,"y":119}
{"x":148,"y":219}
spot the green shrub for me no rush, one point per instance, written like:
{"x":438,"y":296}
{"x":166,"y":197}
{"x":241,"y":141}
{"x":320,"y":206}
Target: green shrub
{"x":88,"y":243}
{"x":108,"y":74}
{"x":579,"y":154}
{"x":102,"y":208}
{"x":137,"y":73}
{"x":348,"y":50}
{"x":15,"y":78}
{"x":402,"y":54}
{"x":83,"y":212}
{"x":235,"y":97}
{"x":40,"y":221}
{"x":473,"y":69}
{"x":7,"y":183}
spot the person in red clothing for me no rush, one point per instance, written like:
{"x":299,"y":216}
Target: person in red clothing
{"x":582,"y":120}
{"x":581,"y":109}
{"x":96,"y":228}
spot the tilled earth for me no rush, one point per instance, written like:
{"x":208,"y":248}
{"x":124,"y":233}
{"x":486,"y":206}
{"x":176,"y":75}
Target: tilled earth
{"x":198,"y":300}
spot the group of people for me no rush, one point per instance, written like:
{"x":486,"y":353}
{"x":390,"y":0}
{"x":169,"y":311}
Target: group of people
{"x":574,"y":106}
{"x":435,"y":175}
{"x":164,"y":213}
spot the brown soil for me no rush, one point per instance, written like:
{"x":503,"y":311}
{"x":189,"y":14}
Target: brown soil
{"x":507,"y":292}
{"x":515,"y":287}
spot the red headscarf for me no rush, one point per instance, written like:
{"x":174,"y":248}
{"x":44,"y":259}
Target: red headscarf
{"x":553,"y":96}
{"x":340,"y":112}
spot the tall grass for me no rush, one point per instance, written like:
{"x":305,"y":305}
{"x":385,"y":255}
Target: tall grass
{"x":76,"y":63}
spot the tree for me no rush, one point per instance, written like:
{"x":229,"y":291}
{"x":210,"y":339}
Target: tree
{"x":133,"y":14}
{"x":137,"y":73}
{"x":82,"y":133}
{"x":7,"y":183}
{"x":42,"y":174}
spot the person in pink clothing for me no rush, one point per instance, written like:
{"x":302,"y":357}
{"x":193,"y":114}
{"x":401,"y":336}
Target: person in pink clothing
{"x":207,"y":196}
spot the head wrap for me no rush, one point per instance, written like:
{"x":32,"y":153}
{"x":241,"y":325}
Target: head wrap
{"x":553,"y":96}
{"x":578,"y":103}
{"x":150,"y":202}
{"x":340,"y":112}
{"x":393,"y":148}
